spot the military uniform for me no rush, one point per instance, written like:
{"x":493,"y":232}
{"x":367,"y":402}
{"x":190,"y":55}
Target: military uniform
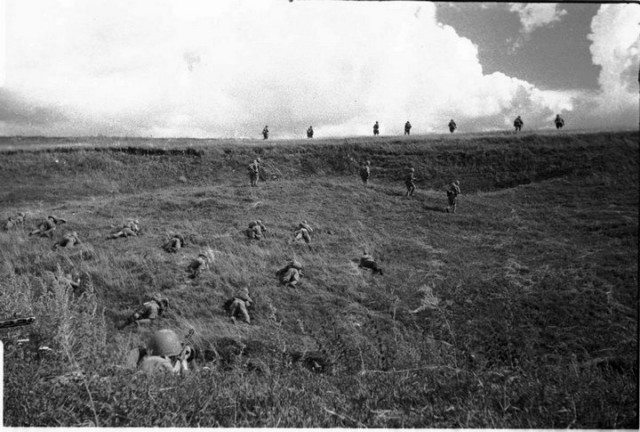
{"x":303,"y":232}
{"x":164,"y":353}
{"x":265,"y":132}
{"x":559,"y":121}
{"x":68,"y":240}
{"x":14,"y":221}
{"x":452,"y":196}
{"x":198,"y":265}
{"x":365,"y":172}
{"x":254,"y":172}
{"x":367,"y":261}
{"x":129,"y":229}
{"x":256,"y":230}
{"x":452,"y":126}
{"x":518,"y":123}
{"x":407,"y":128}
{"x":409,"y":182}
{"x":290,"y":274}
{"x":174,"y":244}
{"x":310,"y":132}
{"x":148,"y":312}
{"x":46,"y":228}
{"x":376,"y":129}
{"x":240,"y":305}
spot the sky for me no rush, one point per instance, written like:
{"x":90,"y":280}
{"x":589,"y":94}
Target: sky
{"x":225,"y":69}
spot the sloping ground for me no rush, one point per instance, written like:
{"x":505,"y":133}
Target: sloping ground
{"x":518,"y":311}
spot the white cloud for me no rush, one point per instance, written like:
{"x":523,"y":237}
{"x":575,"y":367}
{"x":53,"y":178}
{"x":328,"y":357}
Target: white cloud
{"x":537,"y":15}
{"x":225,"y":69}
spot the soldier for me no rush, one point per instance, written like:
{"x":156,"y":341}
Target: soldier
{"x":365,"y":172}
{"x":376,"y":129}
{"x":198,"y":265}
{"x":303,"y":231}
{"x":265,"y":132}
{"x":367,"y":261}
{"x":452,"y":196}
{"x":518,"y":123}
{"x":239,"y":305}
{"x":148,"y":311}
{"x":256,"y":230}
{"x":46,"y":228}
{"x":254,"y":172}
{"x":70,"y":239}
{"x":290,"y":274}
{"x":71,"y":280}
{"x":452,"y":126}
{"x":164,"y":353}
{"x":129,"y":229}
{"x":310,"y":132}
{"x":14,"y":221}
{"x":174,"y":244}
{"x":559,"y":121}
{"x":407,"y":128}
{"x":409,"y":182}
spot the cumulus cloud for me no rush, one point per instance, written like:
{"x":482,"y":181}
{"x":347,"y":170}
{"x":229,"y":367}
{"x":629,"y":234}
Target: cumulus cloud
{"x":537,"y":15}
{"x":225,"y":69}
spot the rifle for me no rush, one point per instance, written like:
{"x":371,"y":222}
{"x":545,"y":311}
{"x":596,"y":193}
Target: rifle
{"x":16,"y":322}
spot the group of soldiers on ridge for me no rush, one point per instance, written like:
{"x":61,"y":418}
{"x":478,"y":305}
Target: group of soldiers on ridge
{"x":517,"y":124}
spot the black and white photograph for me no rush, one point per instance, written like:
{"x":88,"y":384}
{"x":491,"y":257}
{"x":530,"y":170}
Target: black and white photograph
{"x":319,"y":214}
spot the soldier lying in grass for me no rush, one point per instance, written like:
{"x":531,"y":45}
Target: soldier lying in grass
{"x":290,"y":274}
{"x":46,"y":228}
{"x":239,"y":305}
{"x":70,"y":239}
{"x":303,"y":231}
{"x":129,"y":229}
{"x":256,"y":230}
{"x":147,"y":312}
{"x":367,"y":261}
{"x":14,"y":221}
{"x":174,"y":244}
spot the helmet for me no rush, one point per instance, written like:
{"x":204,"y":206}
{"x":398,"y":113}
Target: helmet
{"x":164,"y":342}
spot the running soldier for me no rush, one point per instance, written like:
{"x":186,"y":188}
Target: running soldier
{"x":147,"y":312}
{"x":367,"y":261}
{"x":303,"y":231}
{"x":70,"y":239}
{"x":290,"y":274}
{"x":46,"y":228}
{"x":365,"y":172}
{"x":409,"y":182}
{"x":559,"y":121}
{"x":310,"y":132}
{"x":174,"y":244}
{"x":376,"y":129}
{"x":452,"y":126}
{"x":14,"y":221}
{"x":239,"y":306}
{"x":452,"y":196}
{"x":256,"y":230}
{"x":129,"y":229}
{"x":518,"y":123}
{"x":407,"y":128}
{"x":265,"y":132}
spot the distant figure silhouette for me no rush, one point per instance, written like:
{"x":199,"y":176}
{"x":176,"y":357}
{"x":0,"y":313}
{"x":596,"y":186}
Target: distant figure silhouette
{"x":559,"y":121}
{"x":518,"y":124}
{"x":265,"y":132}
{"x":310,"y":132}
{"x":407,"y":128}
{"x":376,"y":129}
{"x":452,"y":126}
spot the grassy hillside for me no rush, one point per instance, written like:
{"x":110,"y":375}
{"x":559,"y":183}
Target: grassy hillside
{"x":520,"y":310}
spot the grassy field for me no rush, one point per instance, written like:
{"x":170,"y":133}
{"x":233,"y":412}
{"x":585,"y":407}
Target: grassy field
{"x":518,"y":311}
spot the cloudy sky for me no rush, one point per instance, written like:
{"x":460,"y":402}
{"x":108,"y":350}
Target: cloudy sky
{"x":202,"y":68}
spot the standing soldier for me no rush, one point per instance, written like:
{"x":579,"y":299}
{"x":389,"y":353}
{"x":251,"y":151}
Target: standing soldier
{"x":365,"y":172}
{"x":14,"y":221}
{"x":409,"y":182}
{"x":303,"y":231}
{"x":518,"y":123}
{"x":174,"y":244}
{"x":290,"y":274}
{"x":256,"y":230}
{"x":559,"y":121}
{"x":147,"y":312}
{"x":452,"y":196}
{"x":46,"y":228}
{"x":70,"y":239}
{"x":129,"y":229}
{"x":367,"y":261}
{"x":310,"y":132}
{"x":239,"y":306}
{"x":452,"y":126}
{"x":265,"y":132}
{"x":254,"y":172}
{"x":407,"y":128}
{"x":376,"y":129}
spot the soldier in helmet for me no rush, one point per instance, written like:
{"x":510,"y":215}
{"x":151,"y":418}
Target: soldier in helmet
{"x":70,"y":239}
{"x":148,"y":311}
{"x":365,"y":172}
{"x":14,"y":221}
{"x":518,"y":123}
{"x":452,"y":126}
{"x":452,"y":196}
{"x":254,"y":172}
{"x":310,"y":132}
{"x":303,"y":231}
{"x":409,"y":181}
{"x":46,"y":228}
{"x":256,"y":230}
{"x":129,"y":229}
{"x":376,"y":129}
{"x":174,"y":244}
{"x":239,"y":305}
{"x":367,"y":261}
{"x":165,"y":352}
{"x":559,"y":121}
{"x":198,"y":265}
{"x":265,"y":132}
{"x":407,"y":128}
{"x":290,"y":274}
